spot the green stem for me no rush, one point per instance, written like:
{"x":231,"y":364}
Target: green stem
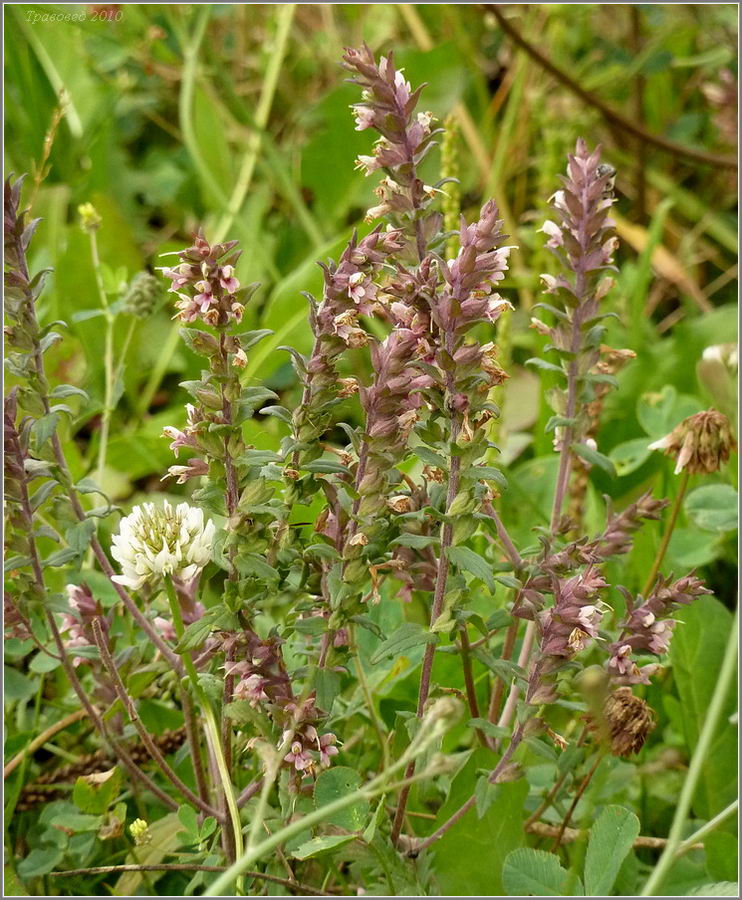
{"x":107,"y":361}
{"x":373,"y":788}
{"x":712,"y":824}
{"x":705,"y":740}
{"x":674,"y":512}
{"x":284,"y":16}
{"x":212,"y":729}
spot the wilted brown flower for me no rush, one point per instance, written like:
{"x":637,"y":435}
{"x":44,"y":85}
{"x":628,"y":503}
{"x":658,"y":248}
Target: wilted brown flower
{"x":624,"y":723}
{"x":700,"y":443}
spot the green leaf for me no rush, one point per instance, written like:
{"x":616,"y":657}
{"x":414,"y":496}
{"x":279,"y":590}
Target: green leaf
{"x":713,"y":507}
{"x":660,"y":411}
{"x":489,"y":728}
{"x":326,"y":467}
{"x":253,"y":564}
{"x":558,"y":422}
{"x":68,"y":390}
{"x":42,"y":662}
{"x":189,"y":820}
{"x":469,"y":858}
{"x":17,"y":686}
{"x":594,"y":458}
{"x":402,"y":640}
{"x":630,"y":455}
{"x":472,"y":562}
{"x":45,"y":427}
{"x":327,"y":685}
{"x":717,"y":889}
{"x":696,"y":652}
{"x":611,"y":838}
{"x":39,"y":862}
{"x":194,"y":635}
{"x":543,"y":364}
{"x":535,"y":873}
{"x":320,"y":845}
{"x":337,"y":782}
{"x":417,"y":541}
{"x":60,"y":558}
{"x":369,"y":625}
{"x":96,"y":793}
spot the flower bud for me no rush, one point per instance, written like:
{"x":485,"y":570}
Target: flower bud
{"x":142,"y":295}
{"x":90,"y":220}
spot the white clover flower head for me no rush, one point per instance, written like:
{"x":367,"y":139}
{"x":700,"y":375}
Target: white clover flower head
{"x":155,"y":541}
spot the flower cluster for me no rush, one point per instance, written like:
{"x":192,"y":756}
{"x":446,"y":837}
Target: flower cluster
{"x":308,"y":748}
{"x":616,"y":539}
{"x":648,"y":628}
{"x":205,"y":283}
{"x":566,"y":628}
{"x":584,"y":243}
{"x":388,"y":106}
{"x":700,"y":443}
{"x":154,"y":542}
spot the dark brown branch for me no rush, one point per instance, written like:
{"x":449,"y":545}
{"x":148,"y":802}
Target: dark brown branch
{"x":611,"y":116}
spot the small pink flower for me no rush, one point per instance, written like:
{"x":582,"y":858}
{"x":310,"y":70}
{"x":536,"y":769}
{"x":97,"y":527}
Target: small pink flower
{"x":327,"y":749}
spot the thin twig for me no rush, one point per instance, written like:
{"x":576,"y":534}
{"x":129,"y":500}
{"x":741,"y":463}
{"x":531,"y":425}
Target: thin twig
{"x":188,"y":867}
{"x":580,"y":791}
{"x":45,"y":736}
{"x":154,"y":751}
{"x":572,"y":834}
{"x":609,"y":114}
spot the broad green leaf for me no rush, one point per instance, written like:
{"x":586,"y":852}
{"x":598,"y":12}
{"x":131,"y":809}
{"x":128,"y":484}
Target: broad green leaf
{"x":469,"y":857}
{"x":660,"y":411}
{"x":39,"y":862}
{"x":611,"y":838}
{"x":17,"y":686}
{"x":536,"y":873}
{"x":473,"y":563}
{"x":337,"y":782}
{"x":722,"y":852}
{"x":713,"y":507}
{"x":696,"y":652}
{"x":630,"y":455}
{"x":95,"y":793}
{"x":323,"y":844}
{"x":717,"y":889}
{"x":403,"y":639}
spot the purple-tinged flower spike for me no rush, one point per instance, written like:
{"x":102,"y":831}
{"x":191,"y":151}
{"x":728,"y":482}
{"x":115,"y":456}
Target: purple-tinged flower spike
{"x":617,"y":538}
{"x":566,"y":629}
{"x":350,"y":290}
{"x":205,"y":283}
{"x":472,"y":276}
{"x":648,"y":628}
{"x":701,"y":443}
{"x":388,"y":105}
